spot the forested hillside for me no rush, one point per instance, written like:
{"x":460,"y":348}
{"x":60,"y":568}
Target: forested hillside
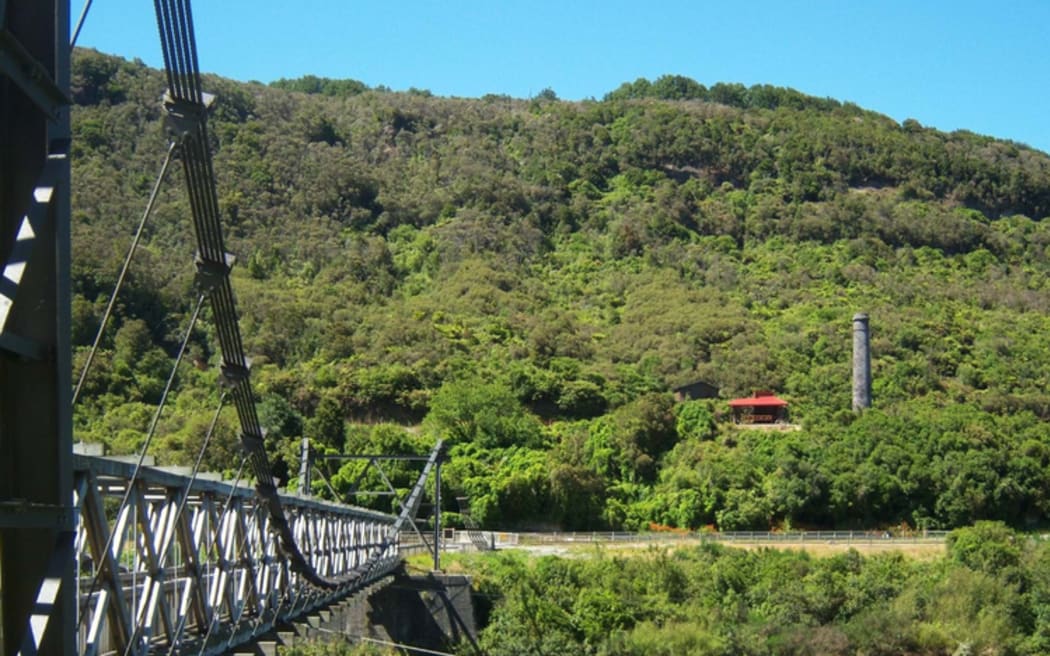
{"x":529,"y":279}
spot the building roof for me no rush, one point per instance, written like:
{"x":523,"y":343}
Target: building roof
{"x":697,"y":390}
{"x":765,"y":400}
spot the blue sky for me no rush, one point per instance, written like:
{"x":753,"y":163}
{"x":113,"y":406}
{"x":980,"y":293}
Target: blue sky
{"x":959,"y":64}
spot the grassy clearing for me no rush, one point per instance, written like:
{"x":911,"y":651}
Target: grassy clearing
{"x":920,"y":551}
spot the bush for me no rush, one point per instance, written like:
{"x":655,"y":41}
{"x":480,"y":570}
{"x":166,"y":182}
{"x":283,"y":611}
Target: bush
{"x":987,"y":546}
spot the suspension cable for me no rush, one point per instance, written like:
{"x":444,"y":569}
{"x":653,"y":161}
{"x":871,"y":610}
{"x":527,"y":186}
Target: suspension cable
{"x":244,"y":608}
{"x":200,"y":454}
{"x":186,"y":102}
{"x":189,"y":486}
{"x":222,"y":518}
{"x":124,"y":270}
{"x":188,"y":106}
{"x":149,"y":438}
{"x":171,"y":378}
{"x":335,"y":495}
{"x":80,"y":24}
{"x":162,"y":552}
{"x":197,"y":463}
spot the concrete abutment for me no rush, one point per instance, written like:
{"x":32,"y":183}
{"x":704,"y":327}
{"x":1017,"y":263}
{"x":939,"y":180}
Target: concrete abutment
{"x":433,"y":611}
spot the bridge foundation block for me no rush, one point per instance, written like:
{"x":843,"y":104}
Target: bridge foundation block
{"x":431,"y":611}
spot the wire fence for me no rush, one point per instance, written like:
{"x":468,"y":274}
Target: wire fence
{"x":498,"y":539}
{"x":747,"y":537}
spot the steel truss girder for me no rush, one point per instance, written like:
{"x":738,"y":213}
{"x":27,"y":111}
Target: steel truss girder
{"x":198,"y":568}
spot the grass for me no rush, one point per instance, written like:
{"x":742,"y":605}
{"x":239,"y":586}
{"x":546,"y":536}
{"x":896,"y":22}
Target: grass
{"x":922,"y":551}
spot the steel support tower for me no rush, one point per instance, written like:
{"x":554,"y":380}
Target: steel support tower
{"x":37,"y":596}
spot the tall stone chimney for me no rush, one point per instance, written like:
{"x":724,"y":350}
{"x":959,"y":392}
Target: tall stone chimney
{"x":304,"y":468}
{"x":861,"y":362}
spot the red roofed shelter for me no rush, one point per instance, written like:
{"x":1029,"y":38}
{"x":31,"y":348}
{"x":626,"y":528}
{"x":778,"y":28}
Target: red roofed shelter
{"x":761,"y":408}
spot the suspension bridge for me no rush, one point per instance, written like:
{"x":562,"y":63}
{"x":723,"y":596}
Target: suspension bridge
{"x":102,"y":555}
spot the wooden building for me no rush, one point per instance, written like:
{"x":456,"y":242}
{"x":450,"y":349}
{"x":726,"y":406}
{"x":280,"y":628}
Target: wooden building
{"x":693,"y":391}
{"x":761,"y":408}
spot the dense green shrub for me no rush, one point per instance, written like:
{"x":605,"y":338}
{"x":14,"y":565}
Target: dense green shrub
{"x":716,"y":600}
{"x":528,"y":280}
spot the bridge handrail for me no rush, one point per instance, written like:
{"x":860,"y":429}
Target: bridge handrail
{"x":152,"y":476}
{"x":187,"y":557}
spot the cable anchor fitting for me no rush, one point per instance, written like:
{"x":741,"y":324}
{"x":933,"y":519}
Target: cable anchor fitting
{"x":232,"y":375}
{"x":211,"y":274}
{"x":184,"y":116}
{"x":254,"y":443}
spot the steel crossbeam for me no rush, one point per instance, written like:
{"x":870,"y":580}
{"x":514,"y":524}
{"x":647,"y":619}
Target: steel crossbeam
{"x":195,"y":566}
